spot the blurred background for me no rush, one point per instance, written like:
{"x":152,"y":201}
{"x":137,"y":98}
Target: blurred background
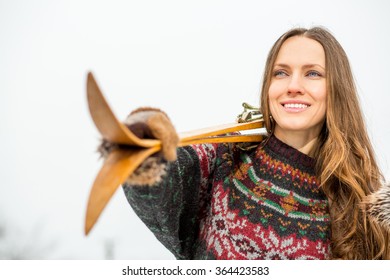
{"x":197,"y":60}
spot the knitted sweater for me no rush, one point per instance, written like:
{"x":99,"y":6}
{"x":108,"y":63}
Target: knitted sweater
{"x":218,"y":201}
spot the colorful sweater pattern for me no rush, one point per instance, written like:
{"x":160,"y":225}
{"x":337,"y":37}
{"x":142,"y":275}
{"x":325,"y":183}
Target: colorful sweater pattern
{"x":218,"y":201}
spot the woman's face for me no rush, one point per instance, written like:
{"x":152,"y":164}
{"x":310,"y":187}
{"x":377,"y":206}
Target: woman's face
{"x":297,"y":93}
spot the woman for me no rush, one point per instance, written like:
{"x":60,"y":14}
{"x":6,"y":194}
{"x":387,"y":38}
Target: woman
{"x":296,"y":195}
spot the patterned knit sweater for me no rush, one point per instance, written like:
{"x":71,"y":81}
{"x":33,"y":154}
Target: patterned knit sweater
{"x":218,"y":201}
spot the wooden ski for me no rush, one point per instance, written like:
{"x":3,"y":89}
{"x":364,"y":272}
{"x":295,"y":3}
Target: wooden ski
{"x":121,"y":163}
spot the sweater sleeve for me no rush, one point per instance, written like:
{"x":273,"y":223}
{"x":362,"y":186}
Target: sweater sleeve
{"x":171,"y":208}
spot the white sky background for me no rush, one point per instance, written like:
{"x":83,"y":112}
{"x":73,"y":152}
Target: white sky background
{"x":197,"y":60}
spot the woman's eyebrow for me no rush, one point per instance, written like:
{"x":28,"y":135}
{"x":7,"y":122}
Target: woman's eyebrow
{"x":312,"y":66}
{"x":305,"y":66}
{"x":282,"y":65}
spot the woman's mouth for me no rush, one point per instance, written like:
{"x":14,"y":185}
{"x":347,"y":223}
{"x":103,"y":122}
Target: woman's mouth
{"x":295,"y":107}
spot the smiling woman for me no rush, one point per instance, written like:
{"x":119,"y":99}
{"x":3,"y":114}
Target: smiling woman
{"x":331,"y":129}
{"x":297,"y":93}
{"x":296,"y":195}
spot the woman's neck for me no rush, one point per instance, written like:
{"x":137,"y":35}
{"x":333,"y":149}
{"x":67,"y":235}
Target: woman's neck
{"x":302,"y":141}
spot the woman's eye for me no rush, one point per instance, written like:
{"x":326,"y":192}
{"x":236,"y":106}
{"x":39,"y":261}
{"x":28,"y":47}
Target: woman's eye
{"x":314,"y":74}
{"x":280,"y":73}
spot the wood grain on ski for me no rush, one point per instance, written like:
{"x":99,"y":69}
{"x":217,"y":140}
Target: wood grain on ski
{"x":114,"y":172}
{"x":108,"y":125}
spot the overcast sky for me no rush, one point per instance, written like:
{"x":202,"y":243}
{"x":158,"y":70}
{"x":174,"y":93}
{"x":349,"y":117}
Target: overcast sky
{"x":197,"y":60}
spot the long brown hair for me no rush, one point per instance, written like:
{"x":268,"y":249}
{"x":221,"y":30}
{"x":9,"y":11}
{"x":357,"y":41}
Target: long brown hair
{"x":346,"y":165}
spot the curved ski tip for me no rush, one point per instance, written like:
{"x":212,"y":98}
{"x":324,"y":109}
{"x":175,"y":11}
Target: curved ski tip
{"x":90,"y":76}
{"x":88,"y":226}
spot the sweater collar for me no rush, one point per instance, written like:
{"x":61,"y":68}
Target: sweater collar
{"x":289,"y":154}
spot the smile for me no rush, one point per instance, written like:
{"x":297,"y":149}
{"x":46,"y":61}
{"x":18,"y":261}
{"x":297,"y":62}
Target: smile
{"x":295,"y":105}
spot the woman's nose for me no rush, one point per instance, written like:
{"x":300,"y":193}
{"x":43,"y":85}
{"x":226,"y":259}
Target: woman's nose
{"x":295,"y":85}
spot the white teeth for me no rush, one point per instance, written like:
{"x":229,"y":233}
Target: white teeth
{"x":291,"y":105}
